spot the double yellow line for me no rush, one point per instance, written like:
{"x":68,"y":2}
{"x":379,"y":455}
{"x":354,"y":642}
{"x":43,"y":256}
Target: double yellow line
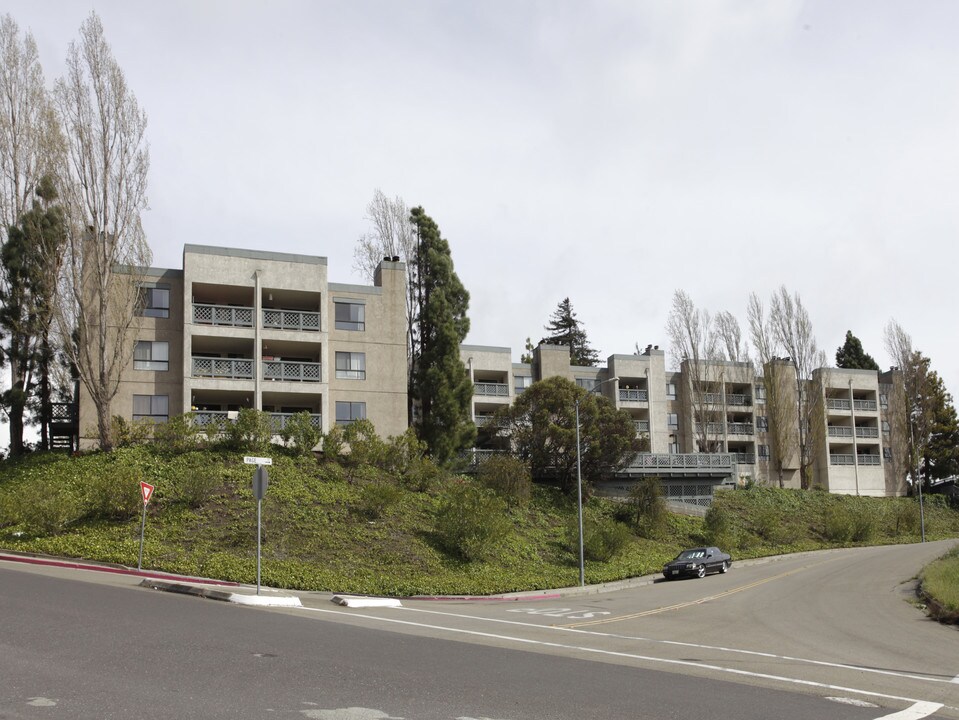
{"x":656,"y":611}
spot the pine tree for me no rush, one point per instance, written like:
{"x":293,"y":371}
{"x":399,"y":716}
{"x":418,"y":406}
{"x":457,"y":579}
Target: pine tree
{"x":851,"y":356}
{"x":565,"y":329}
{"x":440,"y":385}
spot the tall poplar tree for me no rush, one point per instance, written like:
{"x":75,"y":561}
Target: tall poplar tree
{"x":440,"y":386}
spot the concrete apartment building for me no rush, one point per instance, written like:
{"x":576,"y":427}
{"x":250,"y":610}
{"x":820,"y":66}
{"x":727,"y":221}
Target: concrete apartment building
{"x":718,"y":430}
{"x":251,"y":329}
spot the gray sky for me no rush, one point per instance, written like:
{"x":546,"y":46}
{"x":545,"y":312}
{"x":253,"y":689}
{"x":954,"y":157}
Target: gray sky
{"x":611,"y":152}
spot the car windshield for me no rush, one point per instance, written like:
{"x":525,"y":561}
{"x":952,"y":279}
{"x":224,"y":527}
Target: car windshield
{"x":692,"y":554}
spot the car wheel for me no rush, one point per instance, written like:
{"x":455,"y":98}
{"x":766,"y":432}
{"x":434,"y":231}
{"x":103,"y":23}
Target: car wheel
{"x":724,"y":567}
{"x":701,"y":572}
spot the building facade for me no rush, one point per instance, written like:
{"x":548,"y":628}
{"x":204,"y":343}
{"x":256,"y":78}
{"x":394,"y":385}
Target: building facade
{"x":250,"y":329}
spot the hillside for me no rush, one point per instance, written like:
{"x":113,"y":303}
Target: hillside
{"x":380,"y":526}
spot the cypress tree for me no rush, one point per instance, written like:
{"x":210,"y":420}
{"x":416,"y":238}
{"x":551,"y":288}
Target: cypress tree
{"x":565,"y":329}
{"x":440,"y":385}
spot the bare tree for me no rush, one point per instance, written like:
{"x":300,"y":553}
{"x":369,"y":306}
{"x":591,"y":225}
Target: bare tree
{"x":730,"y":337}
{"x":793,"y":330}
{"x":780,"y":388}
{"x":391,"y":235}
{"x":695,"y":347}
{"x":105,"y":194}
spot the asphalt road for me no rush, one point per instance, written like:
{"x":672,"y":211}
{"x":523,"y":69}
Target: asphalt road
{"x":800,"y":637}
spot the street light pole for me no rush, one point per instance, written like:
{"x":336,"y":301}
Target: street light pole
{"x":579,"y":485}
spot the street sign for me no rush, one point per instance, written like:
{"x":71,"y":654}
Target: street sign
{"x":146,"y":489}
{"x":249,"y":460}
{"x":261,"y":480}
{"x":146,"y":492}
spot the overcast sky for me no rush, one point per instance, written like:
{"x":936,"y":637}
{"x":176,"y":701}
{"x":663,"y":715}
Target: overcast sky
{"x":610,"y":152}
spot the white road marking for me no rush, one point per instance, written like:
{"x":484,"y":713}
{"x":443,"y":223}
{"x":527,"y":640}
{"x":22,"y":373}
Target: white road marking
{"x":853,"y":702}
{"x":41,"y":702}
{"x":696,"y":646}
{"x":955,"y":680}
{"x":613,"y":653}
{"x":916,"y":712}
{"x":350,"y":713}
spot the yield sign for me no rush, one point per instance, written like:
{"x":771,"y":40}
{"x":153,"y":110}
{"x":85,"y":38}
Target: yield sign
{"x":146,"y":489}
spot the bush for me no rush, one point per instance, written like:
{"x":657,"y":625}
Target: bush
{"x":471,"y":522}
{"x":195,"y":487}
{"x":46,"y":508}
{"x":251,"y":431}
{"x":177,"y":435}
{"x":508,"y":477}
{"x":333,"y":444}
{"x":377,"y":498}
{"x":837,"y":524}
{"x":647,"y":507}
{"x":718,"y":528}
{"x":603,"y":538}
{"x":300,"y":433}
{"x":113,"y":494}
{"x":903,"y":517}
{"x":126,"y":434}
{"x":366,"y":447}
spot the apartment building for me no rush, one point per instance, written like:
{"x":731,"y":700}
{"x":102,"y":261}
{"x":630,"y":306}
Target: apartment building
{"x":252,"y":329}
{"x":720,"y":426}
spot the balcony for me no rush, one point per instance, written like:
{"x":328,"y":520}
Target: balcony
{"x":491,"y":389}
{"x":868,"y":459}
{"x":229,"y":368}
{"x":642,"y":426}
{"x":738,"y":400}
{"x":865,"y":405}
{"x":740,"y":428}
{"x":867,"y":432}
{"x":291,"y":371}
{"x":206,"y":418}
{"x":280,"y":420}
{"x":222,"y":315}
{"x":842,"y":459}
{"x":713,"y":428}
{"x":743,"y":458}
{"x":300,"y":320}
{"x":633,"y":395}
{"x":842,"y":431}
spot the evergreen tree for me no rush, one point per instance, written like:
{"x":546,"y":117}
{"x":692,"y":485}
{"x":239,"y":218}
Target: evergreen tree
{"x":941,"y":456}
{"x":440,"y":385}
{"x":851,"y":356}
{"x":565,"y":329}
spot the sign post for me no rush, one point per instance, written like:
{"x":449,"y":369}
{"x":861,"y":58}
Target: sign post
{"x":146,"y":492}
{"x":261,"y":480}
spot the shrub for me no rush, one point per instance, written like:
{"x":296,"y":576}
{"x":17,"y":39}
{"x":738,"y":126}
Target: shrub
{"x":837,"y":524}
{"x":126,"y":434}
{"x":508,"y":477}
{"x":113,"y":494}
{"x":718,"y":528}
{"x":647,"y":507}
{"x":46,"y":508}
{"x":300,"y":433}
{"x":603,"y":538}
{"x":252,"y":430}
{"x":904,"y":517}
{"x":195,"y":486}
{"x":366,"y":447}
{"x":377,"y":498}
{"x":422,"y":475}
{"x":471,"y":522}
{"x":177,"y":435}
{"x":333,"y":444}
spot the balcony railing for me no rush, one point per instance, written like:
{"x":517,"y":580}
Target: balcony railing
{"x":683,"y":460}
{"x":641,"y":425}
{"x":626,"y":395}
{"x":491,"y":389}
{"x":292,"y":320}
{"x":740,"y":428}
{"x":868,"y":459}
{"x":738,"y":400}
{"x":280,"y":420}
{"x":713,"y":428}
{"x":231,"y":368}
{"x":842,"y":459}
{"x":865,"y":405}
{"x":840,"y":431}
{"x":864,"y":431}
{"x":228,"y":315}
{"x":62,"y":412}
{"x":744,"y":458}
{"x":291,"y":371}
{"x":713,"y":398}
{"x":489,"y":421}
{"x":837,"y":404}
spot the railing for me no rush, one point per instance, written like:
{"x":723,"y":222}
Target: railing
{"x":868,"y":405}
{"x":62,"y":412}
{"x":228,"y":315}
{"x":738,"y":400}
{"x":484,"y":420}
{"x":292,"y":320}
{"x":291,"y":371}
{"x":868,"y":459}
{"x":740,"y":428}
{"x":713,"y":428}
{"x":633,"y":395}
{"x":837,"y":404}
{"x":840,"y":431}
{"x":744,"y":458}
{"x":204,"y":418}
{"x":280,"y":420}
{"x":682,"y":461}
{"x":478,"y":457}
{"x":842,"y":459}
{"x":713,"y":398}
{"x":491,"y":389}
{"x":233,"y":368}
{"x":864,"y":431}
{"x":641,"y":425}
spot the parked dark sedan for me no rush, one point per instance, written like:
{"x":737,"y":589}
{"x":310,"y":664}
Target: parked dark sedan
{"x":698,"y":562}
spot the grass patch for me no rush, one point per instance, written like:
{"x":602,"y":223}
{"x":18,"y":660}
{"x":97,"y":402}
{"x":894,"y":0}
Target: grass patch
{"x":940,"y":581}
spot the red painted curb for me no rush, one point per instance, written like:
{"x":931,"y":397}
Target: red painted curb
{"x":475,"y":598}
{"x":50,"y":562}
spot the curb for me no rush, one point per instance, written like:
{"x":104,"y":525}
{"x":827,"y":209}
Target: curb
{"x":209,"y":594}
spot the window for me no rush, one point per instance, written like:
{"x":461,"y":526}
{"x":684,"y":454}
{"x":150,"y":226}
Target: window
{"x":672,"y":421}
{"x":349,"y":316}
{"x":151,"y":407}
{"x":670,"y":391}
{"x":347,"y":412}
{"x":673,"y":447}
{"x":521,"y":382}
{"x":151,"y":355}
{"x":887,"y":453}
{"x":760,"y":392}
{"x":763,"y":451}
{"x":885,"y":427}
{"x":762,"y":422}
{"x":351,"y":365}
{"x":154,"y":301}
